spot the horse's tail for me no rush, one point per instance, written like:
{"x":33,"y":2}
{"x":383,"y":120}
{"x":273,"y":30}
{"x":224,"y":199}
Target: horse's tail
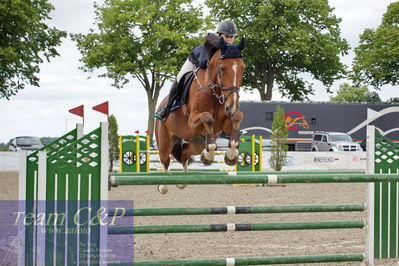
{"x":177,"y":149}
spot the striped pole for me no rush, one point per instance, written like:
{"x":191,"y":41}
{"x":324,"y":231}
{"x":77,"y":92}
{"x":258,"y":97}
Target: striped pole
{"x":251,"y":179}
{"x":253,"y":153}
{"x":371,"y":215}
{"x":249,"y":261}
{"x":120,"y":154}
{"x":147,"y":155}
{"x":237,"y":210}
{"x":260,"y":153}
{"x":201,"y":228}
{"x":137,"y":153}
{"x":217,"y":172}
{"x":175,"y":161}
{"x":177,"y":170}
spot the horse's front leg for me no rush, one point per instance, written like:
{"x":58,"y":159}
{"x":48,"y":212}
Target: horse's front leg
{"x":206,"y":120}
{"x":232,"y":125}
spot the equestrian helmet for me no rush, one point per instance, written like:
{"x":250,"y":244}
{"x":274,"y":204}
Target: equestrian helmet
{"x":227,"y":27}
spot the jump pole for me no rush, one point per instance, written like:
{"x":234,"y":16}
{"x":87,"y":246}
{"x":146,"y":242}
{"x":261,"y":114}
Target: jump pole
{"x":226,"y":210}
{"x":231,"y":227}
{"x":207,"y":179}
{"x":251,"y":260}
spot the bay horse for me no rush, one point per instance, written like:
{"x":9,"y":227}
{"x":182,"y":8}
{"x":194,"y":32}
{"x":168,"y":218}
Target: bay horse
{"x":212,"y":107}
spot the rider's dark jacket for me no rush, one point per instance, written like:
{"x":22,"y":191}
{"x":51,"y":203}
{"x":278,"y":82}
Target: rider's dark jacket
{"x":201,"y":55}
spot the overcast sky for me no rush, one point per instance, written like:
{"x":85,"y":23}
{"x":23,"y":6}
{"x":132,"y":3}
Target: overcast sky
{"x":43,"y":111}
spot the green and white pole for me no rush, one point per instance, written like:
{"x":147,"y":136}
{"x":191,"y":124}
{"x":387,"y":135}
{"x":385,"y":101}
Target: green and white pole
{"x":370,"y":199}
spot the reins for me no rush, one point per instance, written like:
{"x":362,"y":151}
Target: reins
{"x":213,"y":86}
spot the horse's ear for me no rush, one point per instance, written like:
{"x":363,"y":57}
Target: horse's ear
{"x":241,"y":45}
{"x":222,"y":44}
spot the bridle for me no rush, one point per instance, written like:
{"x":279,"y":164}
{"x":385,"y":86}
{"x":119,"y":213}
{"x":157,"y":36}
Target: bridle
{"x":222,"y":98}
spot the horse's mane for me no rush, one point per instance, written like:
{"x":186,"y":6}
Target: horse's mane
{"x":212,"y":41}
{"x":212,"y":44}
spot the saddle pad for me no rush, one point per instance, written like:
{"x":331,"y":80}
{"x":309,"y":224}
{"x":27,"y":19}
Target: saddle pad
{"x":184,"y":88}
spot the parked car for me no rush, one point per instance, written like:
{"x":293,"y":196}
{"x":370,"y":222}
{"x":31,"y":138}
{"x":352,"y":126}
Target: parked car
{"x":267,"y":144}
{"x":27,"y":143}
{"x":334,"y":141}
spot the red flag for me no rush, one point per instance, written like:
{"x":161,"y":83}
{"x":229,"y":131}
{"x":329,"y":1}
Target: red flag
{"x":137,"y":132}
{"x":78,"y":111}
{"x":102,"y":108}
{"x":147,"y":132}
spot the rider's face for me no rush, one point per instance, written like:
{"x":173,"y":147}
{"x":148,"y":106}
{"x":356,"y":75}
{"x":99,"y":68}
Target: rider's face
{"x":229,"y":39}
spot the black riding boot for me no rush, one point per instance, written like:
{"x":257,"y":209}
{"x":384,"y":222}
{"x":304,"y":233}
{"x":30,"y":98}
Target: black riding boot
{"x":163,"y":112}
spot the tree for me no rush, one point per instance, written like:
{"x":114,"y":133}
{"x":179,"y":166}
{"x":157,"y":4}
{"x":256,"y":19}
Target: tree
{"x":286,"y":38}
{"x":355,"y":94}
{"x":393,"y":100}
{"x":146,"y":40}
{"x":279,"y":140}
{"x":24,"y":40}
{"x":376,"y":60}
{"x":113,"y":139}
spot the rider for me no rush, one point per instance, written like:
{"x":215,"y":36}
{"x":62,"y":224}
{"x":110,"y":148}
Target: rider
{"x":198,"y":58}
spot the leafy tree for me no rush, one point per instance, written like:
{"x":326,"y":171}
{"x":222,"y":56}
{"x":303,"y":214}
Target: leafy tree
{"x":355,"y":94}
{"x":286,"y":38}
{"x":146,"y":40}
{"x":279,"y":139}
{"x":393,"y":100}
{"x":4,"y":146}
{"x":25,"y":40}
{"x":113,"y":139}
{"x":376,"y":60}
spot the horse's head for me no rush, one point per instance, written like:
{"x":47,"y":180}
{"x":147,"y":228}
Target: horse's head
{"x":226,"y":69}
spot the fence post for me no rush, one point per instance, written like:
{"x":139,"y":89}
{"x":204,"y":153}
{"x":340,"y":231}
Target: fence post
{"x":370,"y":199}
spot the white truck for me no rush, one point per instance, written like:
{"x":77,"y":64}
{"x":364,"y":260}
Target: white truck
{"x":334,"y":141}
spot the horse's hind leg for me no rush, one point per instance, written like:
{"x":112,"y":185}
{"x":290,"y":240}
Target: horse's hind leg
{"x":185,"y":169}
{"x":187,"y":151}
{"x":165,"y":160}
{"x":165,"y":147}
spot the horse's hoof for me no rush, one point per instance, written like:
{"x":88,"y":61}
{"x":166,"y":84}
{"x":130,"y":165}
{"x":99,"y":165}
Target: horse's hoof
{"x":231,"y":162}
{"x":181,"y":186}
{"x":163,"y":189}
{"x":204,"y":160}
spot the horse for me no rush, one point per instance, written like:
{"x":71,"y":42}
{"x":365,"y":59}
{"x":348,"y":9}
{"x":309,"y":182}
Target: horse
{"x":212,"y":107}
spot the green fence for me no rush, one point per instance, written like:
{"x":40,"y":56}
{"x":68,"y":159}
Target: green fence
{"x":68,"y":174}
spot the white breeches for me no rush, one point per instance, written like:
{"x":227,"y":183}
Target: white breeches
{"x":187,"y":67}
